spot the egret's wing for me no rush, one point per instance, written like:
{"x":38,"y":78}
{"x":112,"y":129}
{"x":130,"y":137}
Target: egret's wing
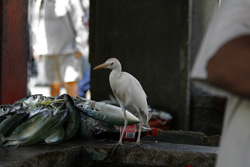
{"x":135,"y":84}
{"x":130,"y":94}
{"x":127,"y":88}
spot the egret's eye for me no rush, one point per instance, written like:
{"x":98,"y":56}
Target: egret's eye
{"x":112,"y":63}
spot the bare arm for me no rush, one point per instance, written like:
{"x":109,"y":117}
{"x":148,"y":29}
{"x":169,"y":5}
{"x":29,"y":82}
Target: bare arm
{"x":230,"y":67}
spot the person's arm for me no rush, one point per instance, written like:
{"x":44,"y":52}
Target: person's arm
{"x":81,"y":32}
{"x":230,"y":67}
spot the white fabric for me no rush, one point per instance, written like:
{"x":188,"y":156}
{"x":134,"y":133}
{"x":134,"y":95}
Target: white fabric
{"x":230,"y":21}
{"x":58,"y":28}
{"x":235,"y":142}
{"x":62,"y":69}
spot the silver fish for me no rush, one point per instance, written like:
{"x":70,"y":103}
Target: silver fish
{"x":4,"y":109}
{"x":104,"y":112}
{"x":30,"y":126}
{"x":73,"y":121}
{"x":56,"y":137}
{"x":10,"y":123}
{"x":31,"y":100}
{"x":50,"y":124}
{"x":35,"y":110}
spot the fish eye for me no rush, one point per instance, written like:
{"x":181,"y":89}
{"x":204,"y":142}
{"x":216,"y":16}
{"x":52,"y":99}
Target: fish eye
{"x":4,"y":109}
{"x":81,"y":106}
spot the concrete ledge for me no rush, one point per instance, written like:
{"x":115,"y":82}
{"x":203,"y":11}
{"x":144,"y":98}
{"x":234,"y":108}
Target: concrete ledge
{"x":98,"y":153}
{"x":185,"y":137}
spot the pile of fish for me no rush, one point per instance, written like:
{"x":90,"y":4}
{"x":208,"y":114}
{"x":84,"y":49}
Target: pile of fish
{"x":40,"y":119}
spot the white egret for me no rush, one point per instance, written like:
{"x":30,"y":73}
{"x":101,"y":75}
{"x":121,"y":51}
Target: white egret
{"x":129,"y":94}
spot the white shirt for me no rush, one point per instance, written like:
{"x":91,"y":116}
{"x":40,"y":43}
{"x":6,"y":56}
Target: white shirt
{"x":230,"y":21}
{"x":59,"y":28}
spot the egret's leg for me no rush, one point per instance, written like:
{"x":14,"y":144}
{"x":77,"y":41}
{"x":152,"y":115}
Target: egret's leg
{"x":138,"y":141}
{"x":124,"y":127}
{"x":139,"y":133}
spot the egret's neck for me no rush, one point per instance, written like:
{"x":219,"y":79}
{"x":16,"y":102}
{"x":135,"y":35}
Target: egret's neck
{"x":116,"y":72}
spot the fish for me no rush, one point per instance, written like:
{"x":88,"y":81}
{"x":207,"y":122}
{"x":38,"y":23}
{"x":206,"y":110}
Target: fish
{"x":2,"y":118}
{"x":2,"y":139}
{"x":33,"y":101}
{"x":10,"y":109}
{"x":89,"y":125}
{"x":11,"y":142}
{"x":43,"y":112}
{"x":30,"y":100}
{"x":35,"y":110}
{"x":29,"y":127}
{"x":50,"y":124}
{"x":11,"y":122}
{"x":86,"y":124}
{"x":56,"y":137}
{"x":104,"y":112}
{"x":4,"y":109}
{"x":15,"y":107}
{"x":73,"y":121}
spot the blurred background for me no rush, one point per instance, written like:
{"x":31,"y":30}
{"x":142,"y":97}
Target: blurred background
{"x":156,"y":41}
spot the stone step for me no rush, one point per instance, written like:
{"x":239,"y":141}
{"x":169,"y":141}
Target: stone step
{"x":79,"y":152}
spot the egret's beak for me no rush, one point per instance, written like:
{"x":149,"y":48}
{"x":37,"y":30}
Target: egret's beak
{"x":104,"y":65}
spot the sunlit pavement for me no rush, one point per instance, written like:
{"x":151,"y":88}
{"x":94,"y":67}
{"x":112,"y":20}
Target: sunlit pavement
{"x":45,"y":90}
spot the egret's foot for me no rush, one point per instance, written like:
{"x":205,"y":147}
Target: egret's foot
{"x":115,"y":147}
{"x":137,"y":145}
{"x":138,"y":142}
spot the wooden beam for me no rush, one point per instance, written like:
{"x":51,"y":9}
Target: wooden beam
{"x":14,"y":50}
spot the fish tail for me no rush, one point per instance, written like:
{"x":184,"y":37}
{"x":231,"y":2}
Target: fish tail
{"x":2,"y":139}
